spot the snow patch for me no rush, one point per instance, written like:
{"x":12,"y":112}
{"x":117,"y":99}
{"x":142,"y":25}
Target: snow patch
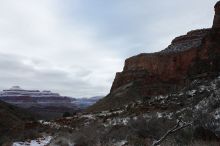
{"x":38,"y":142}
{"x":54,"y":125}
{"x":217,"y":114}
{"x":159,"y":115}
{"x":191,"y":93}
{"x":51,"y":124}
{"x":161,"y":97}
{"x":117,"y":121}
{"x":89,"y":116}
{"x":121,"y":143}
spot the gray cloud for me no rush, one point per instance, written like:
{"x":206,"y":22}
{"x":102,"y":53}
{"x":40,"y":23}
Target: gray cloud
{"x":14,"y":71}
{"x":74,"y":47}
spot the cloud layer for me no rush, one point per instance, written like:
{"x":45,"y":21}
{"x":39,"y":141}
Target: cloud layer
{"x":74,"y":47}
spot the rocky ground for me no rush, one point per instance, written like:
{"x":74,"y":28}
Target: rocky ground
{"x":146,"y":121}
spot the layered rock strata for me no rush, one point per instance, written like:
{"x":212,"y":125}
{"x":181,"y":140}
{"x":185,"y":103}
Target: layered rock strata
{"x":188,"y":56}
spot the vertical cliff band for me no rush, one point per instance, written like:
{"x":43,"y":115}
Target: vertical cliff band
{"x":216,"y":23}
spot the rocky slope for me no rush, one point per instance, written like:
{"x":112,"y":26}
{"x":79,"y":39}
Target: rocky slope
{"x":191,"y":56}
{"x":12,"y":122}
{"x":144,"y":121}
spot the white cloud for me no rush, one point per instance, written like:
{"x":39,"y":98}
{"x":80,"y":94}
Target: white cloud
{"x":75,"y":46}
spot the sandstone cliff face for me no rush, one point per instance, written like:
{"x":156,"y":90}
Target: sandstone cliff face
{"x":191,"y":56}
{"x":216,"y":23}
{"x":175,"y":64}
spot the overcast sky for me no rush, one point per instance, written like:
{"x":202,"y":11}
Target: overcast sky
{"x":75,"y":47}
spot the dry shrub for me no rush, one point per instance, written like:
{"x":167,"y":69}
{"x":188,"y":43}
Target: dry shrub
{"x":205,"y":143}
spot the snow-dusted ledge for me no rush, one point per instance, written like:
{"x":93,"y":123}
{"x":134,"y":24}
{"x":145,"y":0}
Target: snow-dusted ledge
{"x":38,"y":142}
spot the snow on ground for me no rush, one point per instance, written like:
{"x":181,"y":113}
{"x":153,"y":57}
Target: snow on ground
{"x":38,"y":142}
{"x":159,"y":115}
{"x":89,"y":116}
{"x":164,"y":115}
{"x":217,"y":114}
{"x":121,"y":143}
{"x":117,"y":121}
{"x":54,"y":125}
{"x":161,"y":97}
{"x":108,"y":113}
{"x":51,"y":124}
{"x":191,"y":92}
{"x":168,"y":115}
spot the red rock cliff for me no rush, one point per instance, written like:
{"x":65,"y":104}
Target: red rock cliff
{"x":194,"y":54}
{"x":216,"y":22}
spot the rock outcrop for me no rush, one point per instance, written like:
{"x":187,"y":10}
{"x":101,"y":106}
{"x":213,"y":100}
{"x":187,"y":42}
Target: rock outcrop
{"x":188,"y":56}
{"x":216,"y":23}
{"x":191,"y":56}
{"x":196,"y":53}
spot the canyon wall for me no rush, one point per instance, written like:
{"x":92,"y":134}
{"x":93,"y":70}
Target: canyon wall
{"x":189,"y":56}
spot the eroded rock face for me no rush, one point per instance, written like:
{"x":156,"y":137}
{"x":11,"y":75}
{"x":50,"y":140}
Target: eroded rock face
{"x":216,"y":23}
{"x":195,"y":54}
{"x":192,"y":39}
{"x":174,"y":66}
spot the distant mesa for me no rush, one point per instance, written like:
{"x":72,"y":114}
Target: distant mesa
{"x":17,"y":94}
{"x":16,"y":88}
{"x":18,"y":91}
{"x":46,"y":104}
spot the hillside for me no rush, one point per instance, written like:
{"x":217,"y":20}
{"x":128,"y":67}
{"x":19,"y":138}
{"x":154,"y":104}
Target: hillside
{"x":145,"y":121}
{"x":12,"y":121}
